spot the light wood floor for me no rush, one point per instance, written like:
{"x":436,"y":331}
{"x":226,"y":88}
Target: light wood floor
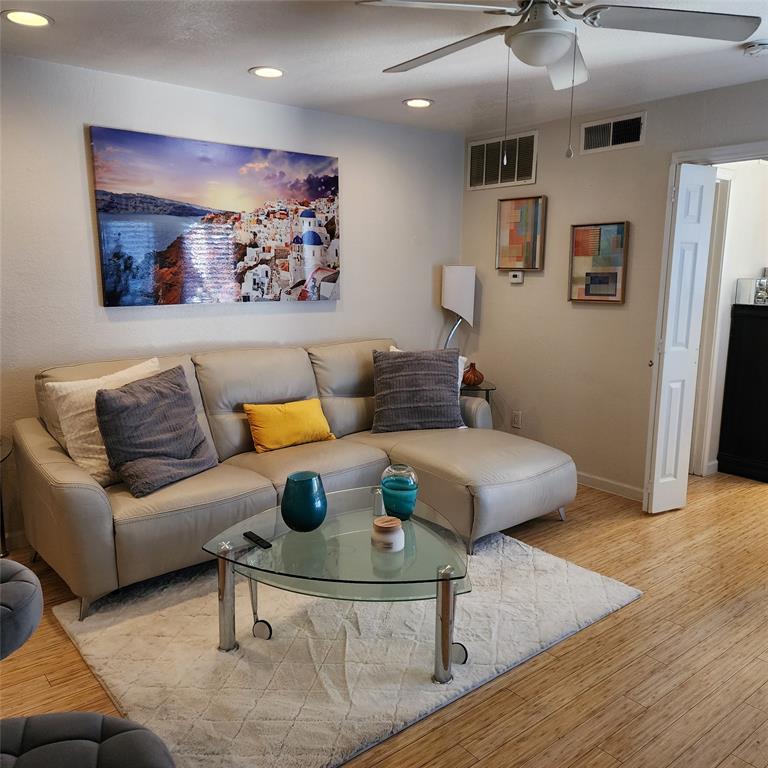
{"x":678,"y":678}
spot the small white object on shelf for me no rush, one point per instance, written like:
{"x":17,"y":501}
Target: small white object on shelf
{"x":388,"y":534}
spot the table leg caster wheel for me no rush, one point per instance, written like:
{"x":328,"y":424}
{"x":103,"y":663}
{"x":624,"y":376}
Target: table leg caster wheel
{"x":262,"y":629}
{"x":459,"y":653}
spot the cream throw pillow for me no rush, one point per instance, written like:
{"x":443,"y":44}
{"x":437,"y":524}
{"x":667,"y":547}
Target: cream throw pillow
{"x":75,"y":404}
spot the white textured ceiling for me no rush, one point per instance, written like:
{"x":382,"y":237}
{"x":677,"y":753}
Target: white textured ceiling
{"x":333,"y":54}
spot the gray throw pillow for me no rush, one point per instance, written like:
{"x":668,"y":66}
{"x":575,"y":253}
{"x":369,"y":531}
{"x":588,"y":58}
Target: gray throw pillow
{"x":151,"y":432}
{"x":416,"y":390}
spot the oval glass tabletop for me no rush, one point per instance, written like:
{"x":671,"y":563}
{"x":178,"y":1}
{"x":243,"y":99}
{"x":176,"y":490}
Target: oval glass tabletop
{"x":338,"y":560}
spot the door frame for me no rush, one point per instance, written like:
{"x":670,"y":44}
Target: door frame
{"x":707,"y":156}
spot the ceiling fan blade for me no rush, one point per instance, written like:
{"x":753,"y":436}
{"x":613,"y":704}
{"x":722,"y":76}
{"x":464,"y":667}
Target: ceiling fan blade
{"x":446,"y":50}
{"x":715,"y":26}
{"x":562,"y":71}
{"x":444,"y":5}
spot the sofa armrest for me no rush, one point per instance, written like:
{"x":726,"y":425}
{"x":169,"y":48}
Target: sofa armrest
{"x":67,"y":514}
{"x":476,"y":412}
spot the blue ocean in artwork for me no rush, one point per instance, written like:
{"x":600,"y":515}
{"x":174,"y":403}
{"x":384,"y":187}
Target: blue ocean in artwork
{"x":128,"y":244}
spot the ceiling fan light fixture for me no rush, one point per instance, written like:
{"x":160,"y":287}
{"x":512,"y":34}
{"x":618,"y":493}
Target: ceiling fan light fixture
{"x":540,"y":48}
{"x":542,"y":40}
{"x":418,"y":103}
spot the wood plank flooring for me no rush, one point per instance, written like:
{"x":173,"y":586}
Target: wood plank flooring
{"x":677,"y":679}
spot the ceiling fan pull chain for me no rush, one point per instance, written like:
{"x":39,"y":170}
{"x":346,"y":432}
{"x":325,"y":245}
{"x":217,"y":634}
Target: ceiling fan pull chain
{"x":506,"y":116}
{"x":569,"y":151}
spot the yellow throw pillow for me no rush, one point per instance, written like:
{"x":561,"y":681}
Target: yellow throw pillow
{"x":282,"y":424}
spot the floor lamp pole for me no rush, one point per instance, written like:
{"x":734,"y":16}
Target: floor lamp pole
{"x":452,"y":332}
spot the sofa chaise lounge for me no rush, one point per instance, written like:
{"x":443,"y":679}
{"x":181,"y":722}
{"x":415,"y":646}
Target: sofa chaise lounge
{"x":100,"y":539}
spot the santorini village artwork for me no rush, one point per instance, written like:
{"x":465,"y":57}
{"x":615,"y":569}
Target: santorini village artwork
{"x":183,"y":221}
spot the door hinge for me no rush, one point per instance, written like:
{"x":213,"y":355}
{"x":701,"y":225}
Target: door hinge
{"x":674,"y":193}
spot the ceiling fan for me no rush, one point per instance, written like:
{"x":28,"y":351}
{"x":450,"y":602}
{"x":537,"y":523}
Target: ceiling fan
{"x":545,"y":35}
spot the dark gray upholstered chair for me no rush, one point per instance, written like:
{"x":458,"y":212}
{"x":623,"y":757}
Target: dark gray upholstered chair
{"x":79,"y":740}
{"x":21,"y":606}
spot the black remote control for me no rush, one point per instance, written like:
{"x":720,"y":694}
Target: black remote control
{"x":256,"y":539}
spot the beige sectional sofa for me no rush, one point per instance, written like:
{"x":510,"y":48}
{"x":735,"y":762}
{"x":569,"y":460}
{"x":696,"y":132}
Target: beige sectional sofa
{"x":100,"y":539}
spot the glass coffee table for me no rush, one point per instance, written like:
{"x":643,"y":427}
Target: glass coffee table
{"x":338,"y":561}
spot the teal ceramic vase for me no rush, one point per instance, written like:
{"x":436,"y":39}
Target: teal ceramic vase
{"x":399,"y":489}
{"x":304,"y":505}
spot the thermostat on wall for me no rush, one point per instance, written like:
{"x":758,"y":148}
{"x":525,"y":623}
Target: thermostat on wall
{"x":516,"y":276}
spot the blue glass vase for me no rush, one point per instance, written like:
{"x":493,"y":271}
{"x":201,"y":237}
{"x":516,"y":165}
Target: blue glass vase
{"x":399,"y":489}
{"x":304,"y":505}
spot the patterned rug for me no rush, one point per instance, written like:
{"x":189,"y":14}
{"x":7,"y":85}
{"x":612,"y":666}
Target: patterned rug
{"x":337,"y":677}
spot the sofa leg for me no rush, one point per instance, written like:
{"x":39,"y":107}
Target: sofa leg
{"x":85,"y":608}
{"x":35,"y":556}
{"x":561,"y":512}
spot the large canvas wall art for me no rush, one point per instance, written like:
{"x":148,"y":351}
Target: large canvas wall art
{"x":599,"y":262}
{"x":520,"y":233}
{"x":183,"y":221}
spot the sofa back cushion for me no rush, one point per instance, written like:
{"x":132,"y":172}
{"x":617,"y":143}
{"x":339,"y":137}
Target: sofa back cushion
{"x":47,"y":411}
{"x":231,"y":378}
{"x":344,"y":374}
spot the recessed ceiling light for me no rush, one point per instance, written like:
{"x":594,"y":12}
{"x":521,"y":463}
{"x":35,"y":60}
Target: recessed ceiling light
{"x":28,"y":18}
{"x":266,"y":72}
{"x":418,"y":103}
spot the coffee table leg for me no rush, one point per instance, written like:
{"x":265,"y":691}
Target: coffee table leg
{"x":227,"y":640}
{"x":446,"y":651}
{"x":261,"y":628}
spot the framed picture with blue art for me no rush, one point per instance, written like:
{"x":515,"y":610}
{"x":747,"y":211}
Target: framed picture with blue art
{"x":184,"y":221}
{"x":598,"y":270}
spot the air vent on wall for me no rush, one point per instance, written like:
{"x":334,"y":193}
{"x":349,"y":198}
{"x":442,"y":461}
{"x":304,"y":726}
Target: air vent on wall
{"x":614,"y":133}
{"x":485,"y":166}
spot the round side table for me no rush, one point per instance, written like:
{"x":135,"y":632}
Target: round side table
{"x":6,"y":447}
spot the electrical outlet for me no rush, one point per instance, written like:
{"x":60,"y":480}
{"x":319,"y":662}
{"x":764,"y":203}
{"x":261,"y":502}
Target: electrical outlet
{"x":517,"y":419}
{"x":516,"y":276}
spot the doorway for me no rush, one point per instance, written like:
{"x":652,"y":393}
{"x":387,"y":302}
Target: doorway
{"x":712,"y":194}
{"x":739,"y":249}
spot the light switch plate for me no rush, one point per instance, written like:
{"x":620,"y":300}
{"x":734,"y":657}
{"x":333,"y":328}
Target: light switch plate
{"x":516,"y":276}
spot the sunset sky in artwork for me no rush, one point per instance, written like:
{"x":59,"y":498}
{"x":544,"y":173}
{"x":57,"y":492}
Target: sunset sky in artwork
{"x":222,"y":176}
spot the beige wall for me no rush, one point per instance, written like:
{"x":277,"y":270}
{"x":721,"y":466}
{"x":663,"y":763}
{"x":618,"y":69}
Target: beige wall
{"x":400,"y":208}
{"x":580,"y":372}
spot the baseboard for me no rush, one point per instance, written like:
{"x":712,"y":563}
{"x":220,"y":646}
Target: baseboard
{"x":610,"y":486}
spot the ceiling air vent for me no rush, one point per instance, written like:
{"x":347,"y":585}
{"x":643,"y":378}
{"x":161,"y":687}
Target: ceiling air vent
{"x":616,"y":133}
{"x":485,"y":164}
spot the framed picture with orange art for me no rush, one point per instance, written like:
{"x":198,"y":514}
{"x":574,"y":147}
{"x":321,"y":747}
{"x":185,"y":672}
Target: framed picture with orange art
{"x":521,"y":223}
{"x":598,"y":272}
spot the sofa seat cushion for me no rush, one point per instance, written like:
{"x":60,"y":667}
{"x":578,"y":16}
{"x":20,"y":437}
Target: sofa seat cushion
{"x":483,"y":480}
{"x":342,"y":464}
{"x":166,"y":530}
{"x":479,"y":457}
{"x":386,"y":441}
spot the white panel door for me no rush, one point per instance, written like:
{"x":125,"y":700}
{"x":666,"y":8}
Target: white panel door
{"x":681,"y":334}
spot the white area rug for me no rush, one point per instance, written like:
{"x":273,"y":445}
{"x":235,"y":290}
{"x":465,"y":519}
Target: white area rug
{"x":337,"y":677}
